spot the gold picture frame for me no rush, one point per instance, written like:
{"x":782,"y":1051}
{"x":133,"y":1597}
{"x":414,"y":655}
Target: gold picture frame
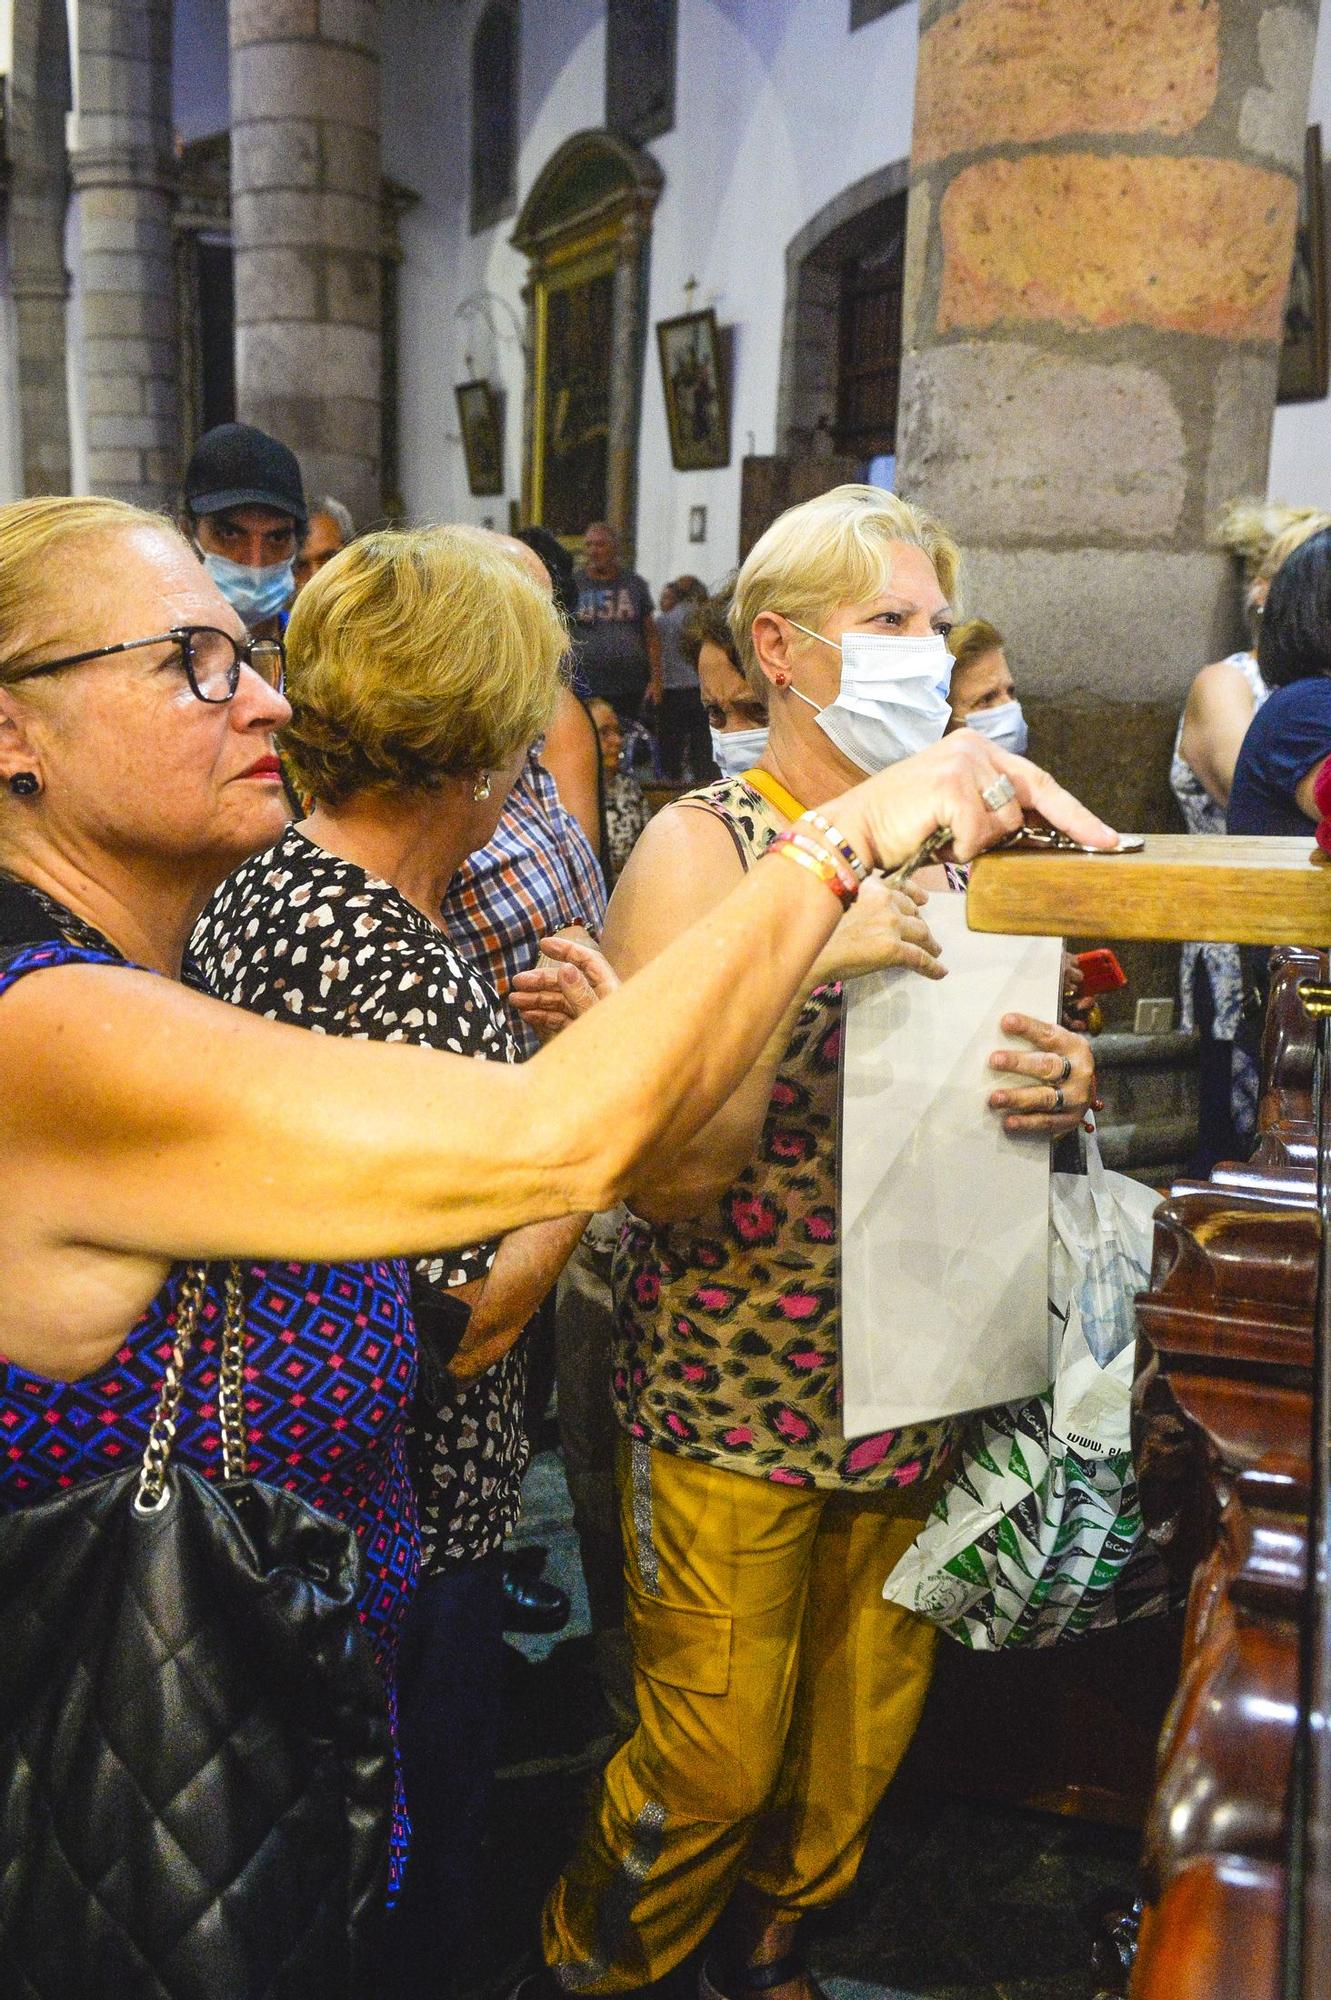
{"x":573,"y":310}
{"x":481,"y":418}
{"x":1303,"y":350}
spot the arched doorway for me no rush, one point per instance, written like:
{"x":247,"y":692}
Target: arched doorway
{"x":841,"y":343}
{"x":840,"y":352}
{"x":585,"y":227}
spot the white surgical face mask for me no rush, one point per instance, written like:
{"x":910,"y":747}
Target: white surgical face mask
{"x":893,"y":696}
{"x":735,"y":751}
{"x":254,"y":594}
{"x":1004,"y":724}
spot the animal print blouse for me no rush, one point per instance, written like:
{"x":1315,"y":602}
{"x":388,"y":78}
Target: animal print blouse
{"x":300,"y":935}
{"x":728,"y":1336}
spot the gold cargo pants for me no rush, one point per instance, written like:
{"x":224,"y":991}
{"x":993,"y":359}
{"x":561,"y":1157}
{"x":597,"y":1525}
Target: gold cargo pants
{"x":777,"y":1694}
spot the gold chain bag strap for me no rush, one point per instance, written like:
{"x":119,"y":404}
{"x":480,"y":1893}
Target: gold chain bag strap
{"x":153,"y":1494}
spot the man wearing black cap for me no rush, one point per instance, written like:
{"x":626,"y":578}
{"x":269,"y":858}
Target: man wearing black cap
{"x":245,"y":513}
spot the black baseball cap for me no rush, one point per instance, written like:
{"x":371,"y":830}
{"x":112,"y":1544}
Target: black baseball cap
{"x":236,"y":465}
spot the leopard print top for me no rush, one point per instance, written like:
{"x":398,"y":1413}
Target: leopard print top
{"x":728,"y":1333}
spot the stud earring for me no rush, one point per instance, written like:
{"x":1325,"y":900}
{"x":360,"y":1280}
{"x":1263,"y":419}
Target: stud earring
{"x":780,"y":679}
{"x":25,"y":784}
{"x":481,"y":789}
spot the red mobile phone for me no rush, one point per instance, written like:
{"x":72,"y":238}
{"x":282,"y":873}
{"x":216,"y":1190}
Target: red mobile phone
{"x":1100,"y":973}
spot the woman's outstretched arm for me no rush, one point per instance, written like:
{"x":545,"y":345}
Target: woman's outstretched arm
{"x":143,"y":1120}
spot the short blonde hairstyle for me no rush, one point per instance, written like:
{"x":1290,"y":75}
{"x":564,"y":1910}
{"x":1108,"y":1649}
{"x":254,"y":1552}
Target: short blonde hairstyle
{"x":415,"y":655}
{"x":1311,"y":521}
{"x":39,"y":542}
{"x":970,"y":641}
{"x":830,"y":551}
{"x":1252,"y":531}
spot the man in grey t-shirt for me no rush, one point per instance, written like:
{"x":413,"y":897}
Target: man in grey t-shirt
{"x":614,"y":634}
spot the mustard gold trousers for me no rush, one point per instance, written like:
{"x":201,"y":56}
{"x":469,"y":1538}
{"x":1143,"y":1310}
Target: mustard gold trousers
{"x":777,"y":1693}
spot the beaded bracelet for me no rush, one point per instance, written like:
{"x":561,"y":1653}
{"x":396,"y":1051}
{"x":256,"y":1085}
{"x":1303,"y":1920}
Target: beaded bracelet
{"x":840,"y":843}
{"x":820,"y":852}
{"x":804,"y":854}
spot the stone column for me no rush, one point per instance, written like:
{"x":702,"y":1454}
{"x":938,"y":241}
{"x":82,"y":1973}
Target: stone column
{"x":123,"y":175}
{"x":1101,"y":229}
{"x":305,"y":213}
{"x":38,"y":197}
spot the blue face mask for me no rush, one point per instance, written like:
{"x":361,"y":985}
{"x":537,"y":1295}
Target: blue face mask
{"x":1004,"y":724}
{"x":254,"y":594}
{"x":735,"y":751}
{"x":893,"y":696}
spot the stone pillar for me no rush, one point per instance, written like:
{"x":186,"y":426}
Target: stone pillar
{"x":38,"y":197}
{"x":305,"y":214}
{"x":1101,"y":230}
{"x":123,"y":175}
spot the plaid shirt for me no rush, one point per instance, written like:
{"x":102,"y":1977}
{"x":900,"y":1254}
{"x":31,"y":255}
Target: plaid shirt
{"x":537,"y":875}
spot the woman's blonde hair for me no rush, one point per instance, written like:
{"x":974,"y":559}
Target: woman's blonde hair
{"x":39,"y":539}
{"x":1311,"y":521}
{"x":830,"y":551}
{"x":971,"y":640}
{"x":1253,"y":530}
{"x":414,"y":655}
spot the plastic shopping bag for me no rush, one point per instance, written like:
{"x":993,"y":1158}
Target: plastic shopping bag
{"x":1100,"y":1231}
{"x":1037,"y":1534}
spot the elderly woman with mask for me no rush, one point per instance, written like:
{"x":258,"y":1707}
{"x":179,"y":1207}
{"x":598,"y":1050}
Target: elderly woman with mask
{"x":981,"y":694}
{"x":776,"y":1692}
{"x":157,"y":1130}
{"x":736,"y":712}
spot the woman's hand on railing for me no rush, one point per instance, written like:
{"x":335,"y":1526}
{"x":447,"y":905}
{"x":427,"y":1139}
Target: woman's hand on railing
{"x":890,"y":815}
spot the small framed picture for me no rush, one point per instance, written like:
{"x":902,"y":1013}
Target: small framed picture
{"x":697,"y":524}
{"x":482,"y":436}
{"x":1303,"y":350}
{"x":693,"y":377}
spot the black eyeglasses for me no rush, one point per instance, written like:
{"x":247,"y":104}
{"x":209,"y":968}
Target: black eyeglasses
{"x":212,"y":660}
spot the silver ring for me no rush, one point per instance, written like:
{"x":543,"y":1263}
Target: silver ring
{"x":1059,"y":1103}
{"x":1001,"y":793}
{"x":1066,"y":1070}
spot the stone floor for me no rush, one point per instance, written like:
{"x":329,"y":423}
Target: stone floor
{"x":955,"y":1901}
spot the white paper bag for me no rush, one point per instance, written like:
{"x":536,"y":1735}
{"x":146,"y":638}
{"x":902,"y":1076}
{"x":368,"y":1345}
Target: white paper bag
{"x":944,"y":1215}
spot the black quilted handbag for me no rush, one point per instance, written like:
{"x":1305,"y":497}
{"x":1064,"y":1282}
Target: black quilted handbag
{"x":195,"y":1763}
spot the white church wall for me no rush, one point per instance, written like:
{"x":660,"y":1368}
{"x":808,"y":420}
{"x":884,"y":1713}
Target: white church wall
{"x":1301,"y":436}
{"x":778,"y":108}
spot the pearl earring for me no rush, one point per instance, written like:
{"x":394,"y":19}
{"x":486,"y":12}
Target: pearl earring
{"x":25,"y":784}
{"x":481,"y":789}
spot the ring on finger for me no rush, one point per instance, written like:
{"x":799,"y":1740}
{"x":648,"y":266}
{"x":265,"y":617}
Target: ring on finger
{"x":1059,"y":1100}
{"x":1066,"y":1070}
{"x":1001,"y":793}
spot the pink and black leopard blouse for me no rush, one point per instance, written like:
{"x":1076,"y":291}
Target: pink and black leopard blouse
{"x":728,"y":1334}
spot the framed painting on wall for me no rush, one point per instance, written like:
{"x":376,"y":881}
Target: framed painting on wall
{"x":693,"y":376}
{"x":1303,"y":351}
{"x":482,"y":436}
{"x":575,"y":325}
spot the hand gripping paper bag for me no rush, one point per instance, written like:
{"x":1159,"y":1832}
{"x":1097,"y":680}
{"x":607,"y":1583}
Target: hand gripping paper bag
{"x":1037,"y":1534}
